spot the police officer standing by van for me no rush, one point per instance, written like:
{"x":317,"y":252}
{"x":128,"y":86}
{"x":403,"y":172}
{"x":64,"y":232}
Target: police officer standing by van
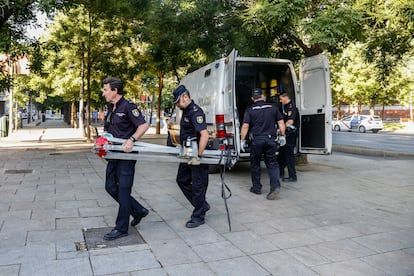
{"x":260,"y":123}
{"x":192,"y":177}
{"x":123,"y":120}
{"x":286,"y":154}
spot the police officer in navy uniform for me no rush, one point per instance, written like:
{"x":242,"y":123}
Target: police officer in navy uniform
{"x":286,"y":154}
{"x":123,"y":120}
{"x":260,"y":123}
{"x":192,"y":177}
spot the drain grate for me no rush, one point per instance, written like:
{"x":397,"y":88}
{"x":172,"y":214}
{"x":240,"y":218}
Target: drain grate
{"x":94,"y":239}
{"x":17,"y":171}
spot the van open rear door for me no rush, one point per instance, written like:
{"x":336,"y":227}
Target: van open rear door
{"x":315,"y":106}
{"x":230,"y":92}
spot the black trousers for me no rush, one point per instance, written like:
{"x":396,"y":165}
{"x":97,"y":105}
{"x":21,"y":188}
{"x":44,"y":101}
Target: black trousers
{"x":193,"y":182}
{"x":118,"y":183}
{"x":267,"y":148}
{"x":286,"y":156}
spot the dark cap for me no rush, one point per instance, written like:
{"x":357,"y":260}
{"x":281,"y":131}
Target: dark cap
{"x":256,"y":93}
{"x":177,"y":92}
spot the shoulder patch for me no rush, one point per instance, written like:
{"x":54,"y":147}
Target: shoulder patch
{"x":135,"y":112}
{"x":200,"y":119}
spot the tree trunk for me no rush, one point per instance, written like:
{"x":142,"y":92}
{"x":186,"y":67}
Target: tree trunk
{"x":160,"y":86}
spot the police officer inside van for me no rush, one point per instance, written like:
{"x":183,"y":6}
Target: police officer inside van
{"x":260,"y":123}
{"x":286,"y":156}
{"x":192,"y":177}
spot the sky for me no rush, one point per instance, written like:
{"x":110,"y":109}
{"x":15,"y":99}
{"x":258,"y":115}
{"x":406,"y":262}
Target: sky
{"x":35,"y":30}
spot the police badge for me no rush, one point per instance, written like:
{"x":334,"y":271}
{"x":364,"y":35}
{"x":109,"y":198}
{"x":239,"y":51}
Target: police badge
{"x":135,"y":112}
{"x":200,"y":119}
{"x":289,"y":113}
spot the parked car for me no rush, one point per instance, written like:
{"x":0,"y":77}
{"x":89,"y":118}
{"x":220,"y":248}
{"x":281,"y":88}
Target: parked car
{"x":361,"y":123}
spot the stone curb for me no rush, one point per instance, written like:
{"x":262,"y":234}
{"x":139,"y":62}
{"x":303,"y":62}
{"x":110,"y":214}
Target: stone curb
{"x":370,"y":151}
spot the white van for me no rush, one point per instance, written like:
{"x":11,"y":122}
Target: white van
{"x":223,"y":90}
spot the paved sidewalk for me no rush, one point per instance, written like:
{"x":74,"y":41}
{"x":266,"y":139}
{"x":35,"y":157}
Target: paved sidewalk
{"x":347,"y":215}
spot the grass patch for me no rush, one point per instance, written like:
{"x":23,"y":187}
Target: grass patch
{"x":393,"y":126}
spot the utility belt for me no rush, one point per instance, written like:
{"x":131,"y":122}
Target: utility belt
{"x":262,"y":136}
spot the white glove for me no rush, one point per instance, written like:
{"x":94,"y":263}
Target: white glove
{"x":243,"y":145}
{"x":282,"y":140}
{"x":195,"y":161}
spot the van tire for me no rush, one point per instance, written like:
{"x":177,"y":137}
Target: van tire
{"x":375,"y":130}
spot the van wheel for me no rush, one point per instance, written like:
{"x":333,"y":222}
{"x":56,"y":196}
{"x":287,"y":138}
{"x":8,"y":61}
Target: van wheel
{"x":337,"y":128}
{"x":362,"y":129}
{"x":375,"y":131}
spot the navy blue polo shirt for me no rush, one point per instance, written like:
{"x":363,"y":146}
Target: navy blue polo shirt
{"x":290,"y":112}
{"x":124,"y":121}
{"x":192,"y":122}
{"x":262,"y":118}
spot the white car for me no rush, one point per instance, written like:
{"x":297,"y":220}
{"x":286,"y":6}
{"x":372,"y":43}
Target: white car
{"x":361,"y":123}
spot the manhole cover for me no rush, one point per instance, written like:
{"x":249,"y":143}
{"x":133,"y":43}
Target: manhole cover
{"x":17,"y":171}
{"x":94,"y":238}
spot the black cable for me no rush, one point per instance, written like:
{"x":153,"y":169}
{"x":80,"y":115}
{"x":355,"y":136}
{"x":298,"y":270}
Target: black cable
{"x":224,"y":186}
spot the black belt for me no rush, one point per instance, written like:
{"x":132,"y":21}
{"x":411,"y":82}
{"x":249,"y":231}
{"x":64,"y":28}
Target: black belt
{"x":270,"y":136}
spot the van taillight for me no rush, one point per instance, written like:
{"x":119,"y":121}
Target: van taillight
{"x":221,"y":130}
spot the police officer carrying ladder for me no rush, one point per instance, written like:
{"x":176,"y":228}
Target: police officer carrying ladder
{"x":192,"y":177}
{"x":260,"y":122}
{"x":286,"y":154}
{"x":125,"y":121}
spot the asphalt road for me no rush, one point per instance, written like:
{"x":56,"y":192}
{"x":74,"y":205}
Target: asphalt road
{"x":387,"y":141}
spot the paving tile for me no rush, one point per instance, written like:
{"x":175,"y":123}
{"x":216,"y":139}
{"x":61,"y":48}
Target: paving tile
{"x":409,"y":250}
{"x":341,"y":250}
{"x":393,"y":263}
{"x":150,"y":272}
{"x":280,"y":263}
{"x":291,"y":224}
{"x":9,"y":270}
{"x":15,"y":238}
{"x":220,"y":224}
{"x":293,"y":239}
{"x":80,"y":223}
{"x":64,"y":236}
{"x":156,"y":231}
{"x":37,"y":205}
{"x":69,"y":267}
{"x":73,"y":204}
{"x":46,"y":223}
{"x":373,"y":226}
{"x":261,"y":228}
{"x":200,"y":235}
{"x":307,"y":256}
{"x":217,"y":251}
{"x":384,"y":242}
{"x":250,"y":243}
{"x":199,"y":269}
{"x":354,"y":267}
{"x":335,"y":232}
{"x":241,"y":266}
{"x":30,"y":253}
{"x":123,"y":262}
{"x":173,"y":252}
